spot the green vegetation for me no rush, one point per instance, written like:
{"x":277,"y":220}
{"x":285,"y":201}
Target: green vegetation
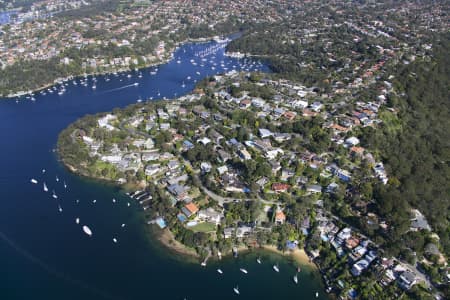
{"x":204,"y":227}
{"x":418,"y":155}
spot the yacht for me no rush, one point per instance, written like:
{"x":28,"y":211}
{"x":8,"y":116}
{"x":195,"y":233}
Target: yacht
{"x":77,"y":220}
{"x":295,"y":278}
{"x":317,"y":294}
{"x":275,"y":267}
{"x":243,"y":270}
{"x":93,"y":201}
{"x":45,"y":188}
{"x":123,"y":225}
{"x":219,"y":271}
{"x":114,"y":200}
{"x":87,"y":230}
{"x":34,"y":181}
{"x":236,"y":290}
{"x":114,"y":240}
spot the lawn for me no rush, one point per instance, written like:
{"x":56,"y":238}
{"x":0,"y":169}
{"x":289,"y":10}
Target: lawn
{"x":203,"y":227}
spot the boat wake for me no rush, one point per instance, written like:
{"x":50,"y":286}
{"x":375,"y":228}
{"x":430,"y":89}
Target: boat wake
{"x":118,"y":89}
{"x":54,"y":272}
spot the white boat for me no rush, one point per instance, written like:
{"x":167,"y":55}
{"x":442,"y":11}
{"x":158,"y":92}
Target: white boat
{"x":114,"y":240}
{"x":65,"y":185}
{"x":77,"y":220}
{"x":295,"y":278}
{"x":236,"y":290}
{"x":57,"y":179}
{"x":43,"y":171}
{"x":258,"y":260}
{"x":203,"y":264}
{"x":243,"y":270}
{"x":34,"y":181}
{"x":93,"y":201}
{"x":87,"y":230}
{"x":317,"y":294}
{"x":114,"y":200}
{"x":60,"y":208}
{"x":136,"y":83}
{"x":45,"y":188}
{"x":275,"y":267}
{"x":219,"y":271}
{"x":54,"y":195}
{"x":123,"y":225}
{"x":128,"y":204}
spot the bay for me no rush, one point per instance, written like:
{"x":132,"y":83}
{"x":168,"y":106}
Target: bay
{"x":44,"y":253}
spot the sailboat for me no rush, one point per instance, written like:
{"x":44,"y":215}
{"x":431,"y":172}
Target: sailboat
{"x":275,"y":267}
{"x":236,"y":290}
{"x":45,"y":188}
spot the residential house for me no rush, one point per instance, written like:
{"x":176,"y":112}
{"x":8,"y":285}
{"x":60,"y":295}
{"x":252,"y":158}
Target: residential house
{"x":189,"y":209}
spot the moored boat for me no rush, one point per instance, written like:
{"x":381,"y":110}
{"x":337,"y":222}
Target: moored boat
{"x":87,"y":230}
{"x":275,"y":267}
{"x":236,"y":290}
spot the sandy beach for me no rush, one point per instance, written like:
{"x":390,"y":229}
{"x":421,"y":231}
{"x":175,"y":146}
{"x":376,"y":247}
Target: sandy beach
{"x":299,"y":255}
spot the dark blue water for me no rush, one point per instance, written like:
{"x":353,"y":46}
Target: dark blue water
{"x":43,"y":252}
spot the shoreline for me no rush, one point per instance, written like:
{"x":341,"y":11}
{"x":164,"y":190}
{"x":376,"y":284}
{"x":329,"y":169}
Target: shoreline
{"x":299,"y":256}
{"x":167,"y":240}
{"x":72,"y":77}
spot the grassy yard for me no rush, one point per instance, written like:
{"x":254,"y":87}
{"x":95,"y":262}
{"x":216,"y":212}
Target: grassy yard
{"x":203,"y":227}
